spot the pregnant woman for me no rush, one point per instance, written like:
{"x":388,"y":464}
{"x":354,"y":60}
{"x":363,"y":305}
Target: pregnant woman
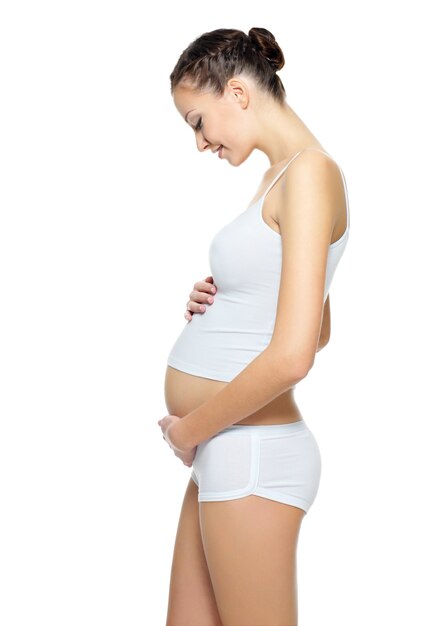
{"x":231,"y":374}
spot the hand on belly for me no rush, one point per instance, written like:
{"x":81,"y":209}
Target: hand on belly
{"x":166,"y":424}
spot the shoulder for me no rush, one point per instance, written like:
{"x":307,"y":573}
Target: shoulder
{"x":312,"y":179}
{"x":314,"y":166}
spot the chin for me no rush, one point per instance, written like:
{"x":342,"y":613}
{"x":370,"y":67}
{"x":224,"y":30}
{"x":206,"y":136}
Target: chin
{"x":241,"y":160}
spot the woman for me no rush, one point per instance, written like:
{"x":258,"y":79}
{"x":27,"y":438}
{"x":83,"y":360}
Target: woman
{"x":231,"y":374}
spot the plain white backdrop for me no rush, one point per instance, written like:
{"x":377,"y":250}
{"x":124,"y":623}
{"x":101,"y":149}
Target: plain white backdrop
{"x":107,"y":211}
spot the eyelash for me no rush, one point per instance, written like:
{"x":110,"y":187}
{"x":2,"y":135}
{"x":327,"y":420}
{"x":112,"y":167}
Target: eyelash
{"x":199,"y":125}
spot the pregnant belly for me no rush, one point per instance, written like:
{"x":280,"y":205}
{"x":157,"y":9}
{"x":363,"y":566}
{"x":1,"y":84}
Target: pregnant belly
{"x":185,"y":392}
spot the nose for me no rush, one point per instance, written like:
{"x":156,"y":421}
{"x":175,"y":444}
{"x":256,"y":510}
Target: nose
{"x":202,"y":144}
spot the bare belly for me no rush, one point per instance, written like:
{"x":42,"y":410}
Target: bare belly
{"x":185,"y":392}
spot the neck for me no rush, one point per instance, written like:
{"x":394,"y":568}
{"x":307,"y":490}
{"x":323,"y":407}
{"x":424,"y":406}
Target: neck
{"x":282,"y":133}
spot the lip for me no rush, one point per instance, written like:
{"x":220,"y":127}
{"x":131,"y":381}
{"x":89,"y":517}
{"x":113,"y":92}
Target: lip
{"x":220,"y":152}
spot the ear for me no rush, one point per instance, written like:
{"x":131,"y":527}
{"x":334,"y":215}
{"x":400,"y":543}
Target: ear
{"x":239,"y":91}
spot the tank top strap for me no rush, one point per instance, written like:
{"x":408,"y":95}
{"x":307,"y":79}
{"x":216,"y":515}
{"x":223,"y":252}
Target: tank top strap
{"x":290,"y":161}
{"x":280,"y":173}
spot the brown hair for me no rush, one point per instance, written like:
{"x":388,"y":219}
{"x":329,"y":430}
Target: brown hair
{"x":215,"y":57}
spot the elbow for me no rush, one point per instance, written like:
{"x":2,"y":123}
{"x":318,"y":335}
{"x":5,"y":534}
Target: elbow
{"x":322,"y":343}
{"x":303,"y":368}
{"x":292,"y":368}
{"x":325,"y":337}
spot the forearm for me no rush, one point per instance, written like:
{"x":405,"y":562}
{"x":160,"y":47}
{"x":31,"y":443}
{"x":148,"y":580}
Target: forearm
{"x":265,"y":378}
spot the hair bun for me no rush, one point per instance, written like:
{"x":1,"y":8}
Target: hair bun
{"x":265,"y":42}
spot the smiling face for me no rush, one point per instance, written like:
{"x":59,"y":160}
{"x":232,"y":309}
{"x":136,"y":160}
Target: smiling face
{"x":220,"y":121}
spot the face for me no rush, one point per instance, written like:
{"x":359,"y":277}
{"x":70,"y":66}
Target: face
{"x":216,"y":122}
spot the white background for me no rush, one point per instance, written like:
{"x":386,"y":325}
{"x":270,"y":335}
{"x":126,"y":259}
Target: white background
{"x":107,"y":211}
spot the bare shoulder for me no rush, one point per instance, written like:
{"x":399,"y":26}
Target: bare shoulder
{"x":312,"y":175}
{"x":314,"y":167}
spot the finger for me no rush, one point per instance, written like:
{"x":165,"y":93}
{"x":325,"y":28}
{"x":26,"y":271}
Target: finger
{"x":208,"y":279}
{"x":197,"y":307}
{"x":202,"y":295}
{"x":197,"y":298}
{"x":204,"y":286}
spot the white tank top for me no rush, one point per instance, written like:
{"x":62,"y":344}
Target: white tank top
{"x":245,"y":258}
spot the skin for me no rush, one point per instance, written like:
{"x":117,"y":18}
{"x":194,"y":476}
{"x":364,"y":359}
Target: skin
{"x":242,"y":120}
{"x":235,"y":560}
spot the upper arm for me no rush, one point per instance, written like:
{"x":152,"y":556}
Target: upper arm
{"x":306,"y":216}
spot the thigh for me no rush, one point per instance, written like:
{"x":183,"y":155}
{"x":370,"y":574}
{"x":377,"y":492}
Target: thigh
{"x":191,"y":597}
{"x":250,"y":545}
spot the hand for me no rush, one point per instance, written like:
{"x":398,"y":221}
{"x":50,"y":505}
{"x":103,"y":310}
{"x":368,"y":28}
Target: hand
{"x":167,"y":423}
{"x":200,"y":296}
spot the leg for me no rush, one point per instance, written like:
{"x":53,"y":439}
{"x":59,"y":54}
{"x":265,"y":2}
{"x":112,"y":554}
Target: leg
{"x":250,"y":546}
{"x":191,"y":597}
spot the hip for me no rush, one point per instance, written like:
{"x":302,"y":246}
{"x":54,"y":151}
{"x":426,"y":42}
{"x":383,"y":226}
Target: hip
{"x":278,"y":461}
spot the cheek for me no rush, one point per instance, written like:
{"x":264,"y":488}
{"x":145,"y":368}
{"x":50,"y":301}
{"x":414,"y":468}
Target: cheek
{"x":223,"y":131}
{"x":234,"y":142}
{"x":235,"y":135}
{"x":230,"y":139}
